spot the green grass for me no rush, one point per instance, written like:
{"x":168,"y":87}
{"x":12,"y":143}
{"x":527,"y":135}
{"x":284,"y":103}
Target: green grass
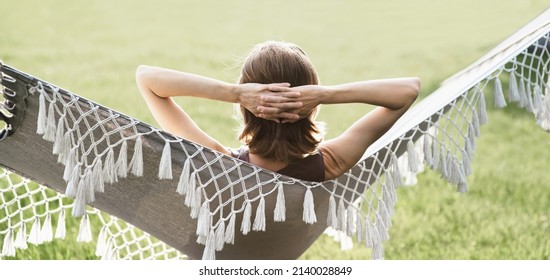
{"x":93,"y":48}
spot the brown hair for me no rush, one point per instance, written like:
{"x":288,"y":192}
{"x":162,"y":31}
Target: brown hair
{"x":279,"y":62}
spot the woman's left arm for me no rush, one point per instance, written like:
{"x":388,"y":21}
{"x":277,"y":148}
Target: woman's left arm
{"x":159,"y":85}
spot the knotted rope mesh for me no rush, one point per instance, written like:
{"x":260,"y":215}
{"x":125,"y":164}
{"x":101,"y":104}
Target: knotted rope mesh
{"x":99,"y":146}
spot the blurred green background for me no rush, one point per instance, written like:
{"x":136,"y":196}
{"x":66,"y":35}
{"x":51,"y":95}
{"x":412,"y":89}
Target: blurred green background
{"x":92,"y":48}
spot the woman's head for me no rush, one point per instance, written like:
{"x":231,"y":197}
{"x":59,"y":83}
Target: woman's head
{"x":279,"y":62}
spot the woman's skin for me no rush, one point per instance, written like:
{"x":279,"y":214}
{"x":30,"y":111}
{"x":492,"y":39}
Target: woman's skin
{"x":280,"y":103}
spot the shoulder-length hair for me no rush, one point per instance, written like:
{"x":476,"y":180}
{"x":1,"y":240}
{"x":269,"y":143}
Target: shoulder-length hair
{"x":279,"y":62}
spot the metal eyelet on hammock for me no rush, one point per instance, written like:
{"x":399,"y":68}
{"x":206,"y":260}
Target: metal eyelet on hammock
{"x":15,"y":93}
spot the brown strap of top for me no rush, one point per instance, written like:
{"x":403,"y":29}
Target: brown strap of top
{"x":310,"y":168}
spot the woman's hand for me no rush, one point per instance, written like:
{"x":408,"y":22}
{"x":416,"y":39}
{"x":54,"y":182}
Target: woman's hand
{"x":270,"y":101}
{"x":274,"y":104}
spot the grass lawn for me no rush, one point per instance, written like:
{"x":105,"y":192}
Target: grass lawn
{"x":93,"y":48}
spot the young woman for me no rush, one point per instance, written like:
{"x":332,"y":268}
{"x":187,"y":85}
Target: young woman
{"x":279,"y":93}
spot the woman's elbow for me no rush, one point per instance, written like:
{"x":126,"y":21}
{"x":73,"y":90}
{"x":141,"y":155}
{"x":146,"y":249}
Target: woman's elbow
{"x":142,"y":72}
{"x":413,"y":89}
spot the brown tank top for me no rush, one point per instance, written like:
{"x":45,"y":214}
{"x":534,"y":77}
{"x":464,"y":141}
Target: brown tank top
{"x":310,"y":168}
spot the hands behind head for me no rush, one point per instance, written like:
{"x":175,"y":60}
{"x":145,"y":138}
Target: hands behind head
{"x":278,"y":102}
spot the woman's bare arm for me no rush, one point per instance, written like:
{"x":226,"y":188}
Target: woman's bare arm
{"x":158,"y":86}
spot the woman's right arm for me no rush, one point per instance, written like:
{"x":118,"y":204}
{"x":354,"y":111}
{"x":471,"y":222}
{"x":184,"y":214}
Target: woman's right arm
{"x":392,"y":96}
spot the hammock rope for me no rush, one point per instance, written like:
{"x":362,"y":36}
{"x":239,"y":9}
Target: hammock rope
{"x":226,"y":199}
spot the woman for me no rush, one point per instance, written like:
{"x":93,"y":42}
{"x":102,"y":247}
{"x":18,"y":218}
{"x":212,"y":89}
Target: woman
{"x":279,"y":93}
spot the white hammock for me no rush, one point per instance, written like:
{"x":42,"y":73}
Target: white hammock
{"x":207,"y":205}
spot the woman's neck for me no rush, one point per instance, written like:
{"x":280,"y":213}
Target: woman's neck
{"x":266,"y":163}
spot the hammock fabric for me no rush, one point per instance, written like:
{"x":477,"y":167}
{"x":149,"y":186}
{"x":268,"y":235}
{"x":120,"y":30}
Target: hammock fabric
{"x":207,"y":205}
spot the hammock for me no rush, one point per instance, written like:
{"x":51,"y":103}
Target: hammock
{"x":138,"y":181}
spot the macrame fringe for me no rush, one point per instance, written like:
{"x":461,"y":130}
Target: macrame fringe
{"x":97,"y":178}
{"x":61,"y":230}
{"x":41,"y":121}
{"x":204,"y":221}
{"x":49,"y":131}
{"x":412,"y":156}
{"x":109,"y":172}
{"x":341,"y":215}
{"x":309,"y":216}
{"x":245,"y":224}
{"x":279,"y":214}
{"x":21,"y":237}
{"x":165,"y":166}
{"x":59,"y":143}
{"x":332,"y":218}
{"x":84,"y":232}
{"x":482,"y":108}
{"x":122,"y":161}
{"x":220,"y":236}
{"x":210,"y":247}
{"x":34,"y":235}
{"x":46,"y":234}
{"x":259,"y":220}
{"x":184,"y":180}
{"x":229,"y":236}
{"x":499,"y":95}
{"x":350,"y":218}
{"x":136,"y":164}
{"x":65,"y":148}
{"x":8,"y":249}
{"x":513,"y":90}
{"x":109,"y":252}
{"x":101,"y":242}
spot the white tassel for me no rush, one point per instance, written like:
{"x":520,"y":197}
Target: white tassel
{"x":46,"y":234}
{"x":109,"y":172}
{"x":341,"y":214}
{"x":70,"y":163}
{"x":245,"y":225}
{"x":59,"y":143}
{"x":41,"y":121}
{"x":359,"y":227}
{"x":201,"y":239}
{"x":122,"y":161}
{"x":428,"y":151}
{"x":73,"y":182}
{"x":482,"y":109}
{"x":332,"y":218}
{"x":369,"y":233}
{"x":60,"y":231}
{"x":229,"y":236}
{"x":101,"y":242}
{"x":523,"y":95}
{"x":396,"y":174}
{"x":21,"y":237}
{"x":513,"y":91}
{"x":413,"y":160}
{"x":381,"y":228}
{"x":89,"y":189}
{"x":443,"y":163}
{"x":190,"y":196}
{"x":203,"y":223}
{"x":183,"y":183}
{"x":530,"y":106}
{"x":350,"y":229}
{"x":165,"y":166}
{"x":210,"y":247}
{"x":309,"y":216}
{"x":220,"y":236}
{"x":259,"y":220}
{"x":462,"y":187}
{"x":388,"y":198}
{"x":79,"y":207}
{"x":466,"y":164}
{"x":97,"y":179}
{"x":84,"y":232}
{"x":49,"y":131}
{"x":435,"y":156}
{"x":136,"y":164}
{"x":8,"y":249}
{"x":280,"y":207}
{"x":472,"y":136}
{"x":537,"y":100}
{"x":543,"y":118}
{"x":475,"y":124}
{"x":384,"y":213}
{"x":65,"y":149}
{"x":109,"y":252}
{"x":499,"y":95}
{"x":196,"y":204}
{"x":34,"y":235}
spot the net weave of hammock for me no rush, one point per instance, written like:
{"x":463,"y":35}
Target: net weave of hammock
{"x":62,"y":152}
